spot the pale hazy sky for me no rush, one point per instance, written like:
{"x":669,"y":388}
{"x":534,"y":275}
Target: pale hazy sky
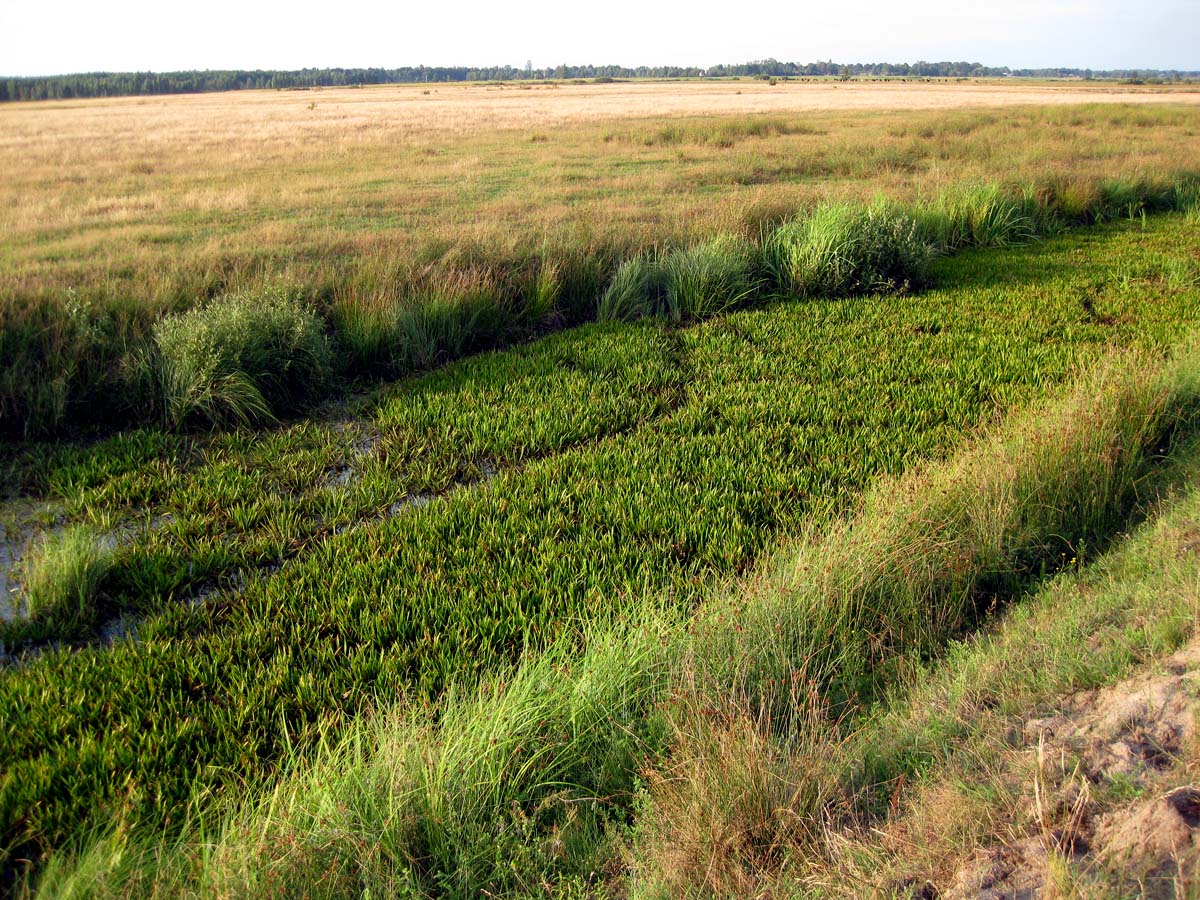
{"x":57,"y":36}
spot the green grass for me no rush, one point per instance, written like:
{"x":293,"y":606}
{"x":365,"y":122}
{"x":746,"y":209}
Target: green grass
{"x":62,"y":573}
{"x":685,"y":284}
{"x":528,"y":781}
{"x":240,"y":359}
{"x":632,"y":460}
{"x":841,"y":249}
{"x":217,"y":362}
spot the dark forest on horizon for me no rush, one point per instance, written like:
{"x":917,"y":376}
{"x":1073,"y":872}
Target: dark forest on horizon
{"x":120,"y":84}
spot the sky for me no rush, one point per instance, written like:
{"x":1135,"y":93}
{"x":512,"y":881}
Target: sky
{"x":61,"y":36}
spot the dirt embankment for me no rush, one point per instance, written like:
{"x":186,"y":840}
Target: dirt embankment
{"x":1116,"y":790}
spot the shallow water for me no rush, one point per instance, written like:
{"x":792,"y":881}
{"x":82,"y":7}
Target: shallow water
{"x":12,"y":604}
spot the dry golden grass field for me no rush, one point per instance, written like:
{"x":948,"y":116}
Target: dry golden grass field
{"x":159,"y":196}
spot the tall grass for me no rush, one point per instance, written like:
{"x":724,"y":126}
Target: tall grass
{"x":706,"y":279}
{"x":979,"y":216}
{"x":706,"y":729}
{"x":841,"y":249}
{"x":1187,"y":199}
{"x":688,"y":283}
{"x":509,"y":786}
{"x":628,"y":295}
{"x":68,"y":364}
{"x":240,"y":359}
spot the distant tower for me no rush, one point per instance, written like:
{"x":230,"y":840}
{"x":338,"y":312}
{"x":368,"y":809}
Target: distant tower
{"x":529,"y":68}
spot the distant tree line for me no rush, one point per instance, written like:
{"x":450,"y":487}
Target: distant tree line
{"x":121,"y":84}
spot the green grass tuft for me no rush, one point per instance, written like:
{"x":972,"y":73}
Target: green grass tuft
{"x":63,"y":573}
{"x":841,"y":249}
{"x":979,"y":216}
{"x":240,"y":359}
{"x":705,"y":279}
{"x":628,"y":294}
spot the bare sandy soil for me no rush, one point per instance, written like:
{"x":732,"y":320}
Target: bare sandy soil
{"x":1139,"y":735}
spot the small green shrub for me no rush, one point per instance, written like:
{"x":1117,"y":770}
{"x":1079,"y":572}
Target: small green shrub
{"x":63,"y":572}
{"x":242,"y":358}
{"x":840,"y":249}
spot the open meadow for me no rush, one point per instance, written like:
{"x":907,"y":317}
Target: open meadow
{"x":569,"y":490}
{"x":365,"y":200}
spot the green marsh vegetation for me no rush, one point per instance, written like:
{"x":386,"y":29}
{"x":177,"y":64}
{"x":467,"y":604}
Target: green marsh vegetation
{"x":725,"y":746}
{"x":63,"y":572}
{"x":253,"y":355}
{"x":593,"y":504}
{"x":240,"y":359}
{"x":633,"y":460}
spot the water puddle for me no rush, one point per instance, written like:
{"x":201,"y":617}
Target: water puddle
{"x":122,"y":628}
{"x":17,"y":539}
{"x":487,"y":472}
{"x":12,"y":605}
{"x":18,"y":531}
{"x":23,"y":530}
{"x":410,"y":501}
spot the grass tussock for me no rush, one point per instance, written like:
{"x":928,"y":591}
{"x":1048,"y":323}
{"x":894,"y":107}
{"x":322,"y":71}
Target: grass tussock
{"x":240,"y":359}
{"x":714,"y":733}
{"x":720,"y":815}
{"x":63,"y":573}
{"x":981,"y":216}
{"x":840,"y":249}
{"x":685,"y":284}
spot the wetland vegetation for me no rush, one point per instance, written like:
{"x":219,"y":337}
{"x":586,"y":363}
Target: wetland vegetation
{"x":410,"y":564}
